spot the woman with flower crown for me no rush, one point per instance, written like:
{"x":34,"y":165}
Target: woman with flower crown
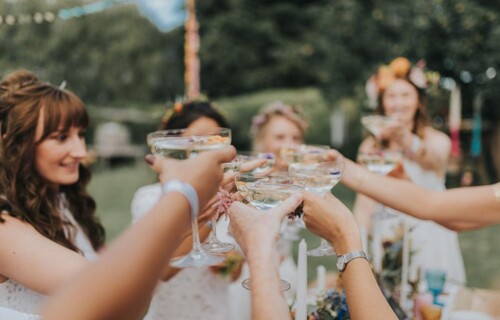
{"x":398,"y":91}
{"x":190,"y":293}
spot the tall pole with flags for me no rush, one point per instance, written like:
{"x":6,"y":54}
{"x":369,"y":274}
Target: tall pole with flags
{"x":191,"y":48}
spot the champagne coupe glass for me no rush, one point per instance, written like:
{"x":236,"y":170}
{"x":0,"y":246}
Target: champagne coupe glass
{"x":213,"y":244}
{"x":381,"y":161}
{"x":183,"y":144}
{"x":266,"y":193}
{"x":266,"y":167}
{"x":319,"y":178}
{"x":435,"y":279}
{"x":375,"y":124}
{"x":294,"y":153}
{"x":291,"y":154}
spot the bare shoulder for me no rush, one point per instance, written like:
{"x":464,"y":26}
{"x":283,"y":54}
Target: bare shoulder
{"x":431,"y":134}
{"x":437,"y":139}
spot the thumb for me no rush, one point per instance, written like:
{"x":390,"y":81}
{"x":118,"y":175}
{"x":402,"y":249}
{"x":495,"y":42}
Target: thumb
{"x":224,"y":155}
{"x":156,"y":163}
{"x":288,"y":206}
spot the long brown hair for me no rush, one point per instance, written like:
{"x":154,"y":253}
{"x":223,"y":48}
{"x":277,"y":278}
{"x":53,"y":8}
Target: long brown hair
{"x":24,"y":193}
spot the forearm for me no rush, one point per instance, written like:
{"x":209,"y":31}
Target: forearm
{"x":268,"y":301}
{"x":364,"y":298}
{"x":454,"y":205}
{"x":399,"y":194}
{"x":120,"y":283}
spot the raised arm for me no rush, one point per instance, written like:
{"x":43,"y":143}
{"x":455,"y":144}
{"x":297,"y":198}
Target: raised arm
{"x":453,"y":208}
{"x":117,"y":285}
{"x":330,"y":219}
{"x":257,"y":233}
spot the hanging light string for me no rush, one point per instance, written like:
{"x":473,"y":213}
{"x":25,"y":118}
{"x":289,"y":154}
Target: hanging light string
{"x":63,"y":14}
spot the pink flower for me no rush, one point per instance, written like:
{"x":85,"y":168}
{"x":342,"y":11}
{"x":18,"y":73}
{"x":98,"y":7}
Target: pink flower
{"x":224,"y":201}
{"x":417,"y":76}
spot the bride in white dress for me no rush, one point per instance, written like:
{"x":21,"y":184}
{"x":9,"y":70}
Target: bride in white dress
{"x":48,"y":227}
{"x":400,"y":92}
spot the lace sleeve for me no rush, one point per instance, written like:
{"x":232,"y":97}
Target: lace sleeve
{"x":16,"y":315}
{"x":144,"y":199}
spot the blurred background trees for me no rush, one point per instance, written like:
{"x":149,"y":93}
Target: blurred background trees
{"x":118,"y":58}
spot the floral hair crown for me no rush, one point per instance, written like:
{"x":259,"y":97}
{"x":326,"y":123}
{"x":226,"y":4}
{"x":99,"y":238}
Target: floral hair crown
{"x":279,"y":108}
{"x":176,"y":108}
{"x":399,"y":68}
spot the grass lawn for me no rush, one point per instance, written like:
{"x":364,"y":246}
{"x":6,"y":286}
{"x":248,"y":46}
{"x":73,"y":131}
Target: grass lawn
{"x":113,"y":190}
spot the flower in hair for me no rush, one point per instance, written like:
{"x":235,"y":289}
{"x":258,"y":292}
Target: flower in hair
{"x":399,"y":68}
{"x":178,"y":106}
{"x":278,"y":108}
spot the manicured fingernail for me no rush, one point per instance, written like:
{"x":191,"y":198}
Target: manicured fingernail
{"x":150,"y":159}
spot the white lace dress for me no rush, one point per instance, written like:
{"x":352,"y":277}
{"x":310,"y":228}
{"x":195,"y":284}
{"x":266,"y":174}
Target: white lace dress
{"x":193,"y":293}
{"x":26,"y":302}
{"x":432,"y":246}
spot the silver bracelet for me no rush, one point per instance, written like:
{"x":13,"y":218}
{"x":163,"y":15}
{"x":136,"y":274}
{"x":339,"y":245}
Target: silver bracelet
{"x":187,"y":191}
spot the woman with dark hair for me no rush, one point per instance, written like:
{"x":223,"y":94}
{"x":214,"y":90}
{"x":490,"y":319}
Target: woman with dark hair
{"x":399,"y":90}
{"x":193,"y":114}
{"x":49,"y":226}
{"x":190,"y":293}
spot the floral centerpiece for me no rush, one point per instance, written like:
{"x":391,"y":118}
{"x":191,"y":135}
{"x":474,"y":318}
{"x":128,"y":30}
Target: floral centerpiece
{"x":330,"y":305}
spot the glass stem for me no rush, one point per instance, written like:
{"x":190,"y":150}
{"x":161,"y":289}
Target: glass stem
{"x":213,"y":234}
{"x":196,"y":235}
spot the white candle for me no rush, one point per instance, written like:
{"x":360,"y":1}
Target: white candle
{"x":301,"y":299}
{"x":406,"y":260}
{"x":377,"y":251}
{"x":320,"y":278}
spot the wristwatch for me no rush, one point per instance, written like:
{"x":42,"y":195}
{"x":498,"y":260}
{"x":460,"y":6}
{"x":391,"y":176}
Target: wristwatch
{"x":344,"y":259}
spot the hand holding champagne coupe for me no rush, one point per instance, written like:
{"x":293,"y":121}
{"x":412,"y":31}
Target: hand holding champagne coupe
{"x":266,"y":192}
{"x":183,"y":144}
{"x":375,"y":124}
{"x":381,"y":160}
{"x":319,"y":175}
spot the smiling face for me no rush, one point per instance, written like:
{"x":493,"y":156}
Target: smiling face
{"x":58,"y":155}
{"x":279,"y":132}
{"x":401,"y":100}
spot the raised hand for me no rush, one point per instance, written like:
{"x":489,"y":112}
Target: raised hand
{"x":255,"y":229}
{"x":330,"y":219}
{"x":203,"y":172}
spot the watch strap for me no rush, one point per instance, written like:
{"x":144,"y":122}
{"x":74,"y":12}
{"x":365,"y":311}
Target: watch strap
{"x":348,"y":257}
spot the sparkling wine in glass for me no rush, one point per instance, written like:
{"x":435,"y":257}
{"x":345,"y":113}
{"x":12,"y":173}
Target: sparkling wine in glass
{"x":382,"y":162}
{"x":375,"y":123}
{"x":183,"y":144}
{"x":268,"y":160}
{"x":319,"y":178}
{"x":266,"y":193}
{"x":295,"y":153}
